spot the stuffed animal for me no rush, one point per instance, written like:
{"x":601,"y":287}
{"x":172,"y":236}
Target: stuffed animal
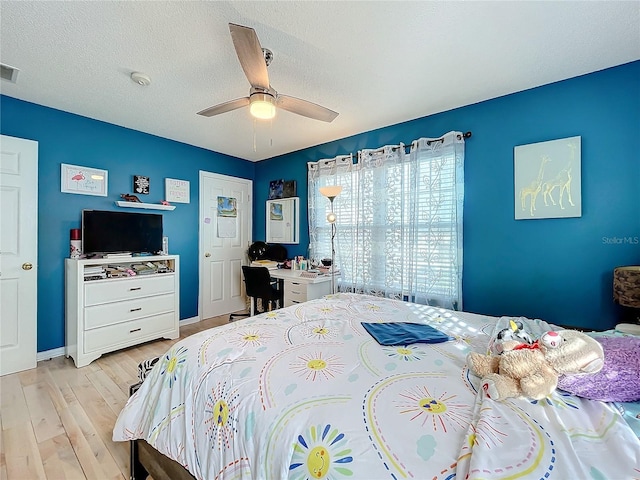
{"x":532,"y":370}
{"x":515,"y":331}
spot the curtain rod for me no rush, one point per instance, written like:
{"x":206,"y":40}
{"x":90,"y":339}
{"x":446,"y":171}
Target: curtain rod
{"x":429,"y":142}
{"x":464,"y":135}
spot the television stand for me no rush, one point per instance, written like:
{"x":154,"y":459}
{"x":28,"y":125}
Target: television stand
{"x":114,"y":303}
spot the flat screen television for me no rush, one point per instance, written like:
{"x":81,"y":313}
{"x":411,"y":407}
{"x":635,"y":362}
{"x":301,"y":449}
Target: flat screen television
{"x":105,"y":232}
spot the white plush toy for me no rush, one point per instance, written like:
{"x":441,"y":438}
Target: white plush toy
{"x":514,"y":332}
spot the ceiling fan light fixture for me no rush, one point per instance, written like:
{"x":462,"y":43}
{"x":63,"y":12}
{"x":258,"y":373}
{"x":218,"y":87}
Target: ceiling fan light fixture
{"x":262,"y":106}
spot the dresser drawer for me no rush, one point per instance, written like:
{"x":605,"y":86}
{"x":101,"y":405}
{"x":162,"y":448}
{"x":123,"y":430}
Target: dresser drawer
{"x":295,"y":292}
{"x":110,"y":313}
{"x":119,"y":335}
{"x":116,"y":290}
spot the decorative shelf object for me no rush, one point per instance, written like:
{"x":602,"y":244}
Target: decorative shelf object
{"x":149,"y":206}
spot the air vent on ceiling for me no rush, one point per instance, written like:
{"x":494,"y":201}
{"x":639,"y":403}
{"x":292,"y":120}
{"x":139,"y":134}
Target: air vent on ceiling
{"x":8,"y":73}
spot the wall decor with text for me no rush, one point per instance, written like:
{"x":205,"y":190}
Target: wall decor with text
{"x":83,"y":180}
{"x":141,"y":184}
{"x":176,"y":190}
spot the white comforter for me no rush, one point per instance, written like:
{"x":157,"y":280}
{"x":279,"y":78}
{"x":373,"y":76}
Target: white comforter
{"x":305,"y":392}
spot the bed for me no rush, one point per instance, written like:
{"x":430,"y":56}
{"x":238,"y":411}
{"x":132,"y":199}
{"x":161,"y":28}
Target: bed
{"x":305,"y":392}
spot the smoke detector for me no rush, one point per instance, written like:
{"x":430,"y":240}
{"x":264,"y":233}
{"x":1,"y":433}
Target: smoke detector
{"x":140,"y":78}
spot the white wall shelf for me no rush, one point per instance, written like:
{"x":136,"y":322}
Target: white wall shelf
{"x":149,"y":206}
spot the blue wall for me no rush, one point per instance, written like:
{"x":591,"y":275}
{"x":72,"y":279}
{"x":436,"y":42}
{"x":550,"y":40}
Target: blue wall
{"x":67,"y":138}
{"x":559,"y":270}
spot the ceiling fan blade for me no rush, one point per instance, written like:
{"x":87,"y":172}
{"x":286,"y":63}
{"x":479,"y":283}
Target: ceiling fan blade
{"x":250,"y":55}
{"x":225,"y":107}
{"x":305,"y":108}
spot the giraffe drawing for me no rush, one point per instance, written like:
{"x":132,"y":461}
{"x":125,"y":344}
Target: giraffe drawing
{"x":533,"y":189}
{"x":561,"y":180}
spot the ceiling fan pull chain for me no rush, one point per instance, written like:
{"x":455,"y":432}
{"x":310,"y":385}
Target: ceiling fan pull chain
{"x":254,"y":136}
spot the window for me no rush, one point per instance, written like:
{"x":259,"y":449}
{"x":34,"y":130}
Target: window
{"x":399,"y":226}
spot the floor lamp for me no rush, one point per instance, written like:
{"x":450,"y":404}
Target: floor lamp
{"x":331,"y":192}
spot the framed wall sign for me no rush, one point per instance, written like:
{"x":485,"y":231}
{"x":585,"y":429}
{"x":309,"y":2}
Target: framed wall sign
{"x":141,"y":184}
{"x":176,"y":190}
{"x":83,"y":180}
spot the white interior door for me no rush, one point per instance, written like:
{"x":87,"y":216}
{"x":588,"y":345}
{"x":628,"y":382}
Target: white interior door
{"x":18,"y":253}
{"x":223,"y":242}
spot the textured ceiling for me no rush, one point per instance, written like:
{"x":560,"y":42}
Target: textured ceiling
{"x":376,"y":63}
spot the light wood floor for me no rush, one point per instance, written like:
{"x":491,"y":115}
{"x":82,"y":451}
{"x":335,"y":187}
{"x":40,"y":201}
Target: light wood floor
{"x":57,"y":419}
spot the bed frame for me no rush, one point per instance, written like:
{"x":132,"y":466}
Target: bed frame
{"x":146,"y":460}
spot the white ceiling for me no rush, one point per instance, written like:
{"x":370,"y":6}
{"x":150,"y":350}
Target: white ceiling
{"x":376,"y":63}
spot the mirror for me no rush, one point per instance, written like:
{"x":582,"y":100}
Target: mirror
{"x":283,"y":218}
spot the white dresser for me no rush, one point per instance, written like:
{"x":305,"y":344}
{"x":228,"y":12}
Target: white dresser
{"x":107,"y":314}
{"x":299,"y":289}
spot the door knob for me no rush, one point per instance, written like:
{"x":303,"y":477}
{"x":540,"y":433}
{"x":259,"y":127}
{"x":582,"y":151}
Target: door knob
{"x":207,"y":254}
{"x":27,"y":266}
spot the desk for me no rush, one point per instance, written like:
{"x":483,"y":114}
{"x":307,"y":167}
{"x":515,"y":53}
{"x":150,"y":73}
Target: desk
{"x":299,"y":289}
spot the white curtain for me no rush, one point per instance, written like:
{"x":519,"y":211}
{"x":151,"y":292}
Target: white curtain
{"x":399,"y":227}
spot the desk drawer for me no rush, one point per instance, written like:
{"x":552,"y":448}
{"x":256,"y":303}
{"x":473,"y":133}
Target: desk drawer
{"x":111,"y":313}
{"x":115,"y":290}
{"x":119,"y":335}
{"x":295,"y":292}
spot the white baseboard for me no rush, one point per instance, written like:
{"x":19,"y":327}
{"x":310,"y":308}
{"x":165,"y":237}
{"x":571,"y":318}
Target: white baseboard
{"x":188,"y":321}
{"x":49,"y":354}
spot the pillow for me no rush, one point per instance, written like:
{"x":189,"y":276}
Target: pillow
{"x":618,"y":381}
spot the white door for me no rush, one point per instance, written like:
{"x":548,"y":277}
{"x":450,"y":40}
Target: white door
{"x":18,"y":253}
{"x":224,"y":238}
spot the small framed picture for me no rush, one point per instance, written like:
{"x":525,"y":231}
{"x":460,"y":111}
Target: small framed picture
{"x":83,"y":180}
{"x":141,"y":184}
{"x":276,"y":188}
{"x":289,"y":189}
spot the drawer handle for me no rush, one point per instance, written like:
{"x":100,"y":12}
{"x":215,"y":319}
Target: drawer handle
{"x":136,"y":309}
{"x":135,"y":288}
{"x":295,"y":292}
{"x":295,"y":283}
{"x":135,"y":330}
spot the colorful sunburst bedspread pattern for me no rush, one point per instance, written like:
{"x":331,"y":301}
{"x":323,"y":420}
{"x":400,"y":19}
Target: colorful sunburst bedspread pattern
{"x":306,"y":393}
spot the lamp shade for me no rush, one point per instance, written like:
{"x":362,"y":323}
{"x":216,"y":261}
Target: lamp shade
{"x":262,"y":106}
{"x":331,"y":191}
{"x":626,"y":286}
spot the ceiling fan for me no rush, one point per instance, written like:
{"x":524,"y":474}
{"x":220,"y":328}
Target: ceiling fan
{"x":263,"y":100}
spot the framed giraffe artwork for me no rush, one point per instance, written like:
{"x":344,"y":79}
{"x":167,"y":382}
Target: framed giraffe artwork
{"x":547,"y":179}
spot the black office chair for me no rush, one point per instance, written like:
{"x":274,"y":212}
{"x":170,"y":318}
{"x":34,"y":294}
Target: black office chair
{"x":259,"y":285}
{"x":262,"y":251}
